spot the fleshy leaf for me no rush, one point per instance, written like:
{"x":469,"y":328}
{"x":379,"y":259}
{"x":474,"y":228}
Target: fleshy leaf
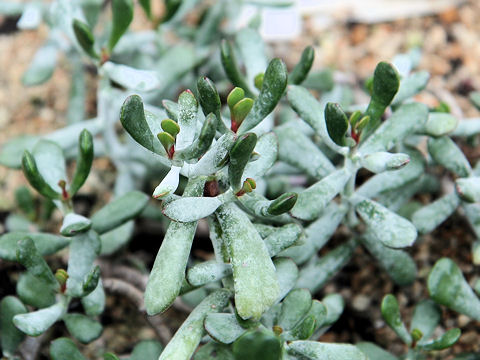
{"x":426,"y":317}
{"x":35,"y":178}
{"x":132,"y":78}
{"x":386,"y":82}
{"x":439,"y":124}
{"x":122,"y":16}
{"x":34,"y":291}
{"x":84,"y":161}
{"x":84,"y":249}
{"x":65,"y":349}
{"x":389,"y":228}
{"x":391,"y":314}
{"x":191,"y":208}
{"x":187,"y":338}
{"x":296,"y":149}
{"x":267,"y":148}
{"x":314,"y":199}
{"x":223,"y":327}
{"x":383,"y":161}
{"x":411,"y":86}
{"x":448,"y":287}
{"x":239,"y":156}
{"x":132,"y":117}
{"x":282,"y":238}
{"x":168,"y":270}
{"x":311,"y":111}
{"x":397,"y":263}
{"x":294,"y":307}
{"x":273,"y":88}
{"x":443,"y":342}
{"x":287,"y":274}
{"x":74,"y":224}
{"x":85,"y":38}
{"x":46,"y":244}
{"x":257,"y":345}
{"x":313,"y":350}
{"x":231,"y":68}
{"x":430,"y":216}
{"x":11,"y":336}
{"x":82,"y":328}
{"x":404,"y":121}
{"x":468,"y":189}
{"x":119,"y":211}
{"x":187,"y":119}
{"x":256,"y":284}
{"x":30,"y":257}
{"x":202,"y":143}
{"x":446,"y":153}
{"x":37,"y":322}
{"x":169,"y":183}
{"x":337,"y":123}
{"x":374,"y":352}
{"x":208,"y":96}
{"x":301,"y":70}
{"x":94,"y":303}
{"x":42,"y":66}
{"x":319,"y":271}
{"x":146,"y":350}
{"x":207,"y":272}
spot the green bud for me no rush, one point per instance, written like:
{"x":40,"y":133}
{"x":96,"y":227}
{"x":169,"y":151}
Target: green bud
{"x":258,"y":80}
{"x":234,"y":97}
{"x":283,"y":203}
{"x":171,"y":127}
{"x":416,"y":335}
{"x":355,"y":117}
{"x":167,"y":141}
{"x":62,"y":277}
{"x":240,"y":112}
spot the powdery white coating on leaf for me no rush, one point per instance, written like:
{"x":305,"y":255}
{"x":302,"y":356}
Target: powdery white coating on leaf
{"x":82,"y":327}
{"x":188,"y":336}
{"x":50,"y":163}
{"x":256,"y":284}
{"x":168,"y":270}
{"x":131,"y":78}
{"x":294,"y":307}
{"x":282,"y":238}
{"x":468,"y":189}
{"x":208,"y":271}
{"x":467,"y":127}
{"x":191,"y":208}
{"x":448,"y":287}
{"x":389,"y":228}
{"x":411,"y":86}
{"x":311,"y":111}
{"x":317,"y":234}
{"x":298,"y":150}
{"x":37,"y":322}
{"x":94,"y":303}
{"x":394,"y":179}
{"x":382,"y":161}
{"x":314,"y":199}
{"x":214,"y":158}
{"x":439,"y":124}
{"x":406,"y":120}
{"x":313,"y":350}
{"x":374,"y":352}
{"x":84,"y":249}
{"x":267,"y":148}
{"x":430,"y":216}
{"x":319,"y":271}
{"x":169,"y":183}
{"x":73,"y":223}
{"x":446,"y":153}
{"x":42,"y":66}
{"x":426,"y":317}
{"x":252,"y":51}
{"x":45,"y":243}
{"x":397,"y":263}
{"x":287,"y":274}
{"x":223,"y":327}
{"x":187,"y":119}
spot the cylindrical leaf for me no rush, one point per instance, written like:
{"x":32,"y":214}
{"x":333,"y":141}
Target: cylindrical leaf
{"x":84,"y":161}
{"x":301,"y":70}
{"x":34,"y":177}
